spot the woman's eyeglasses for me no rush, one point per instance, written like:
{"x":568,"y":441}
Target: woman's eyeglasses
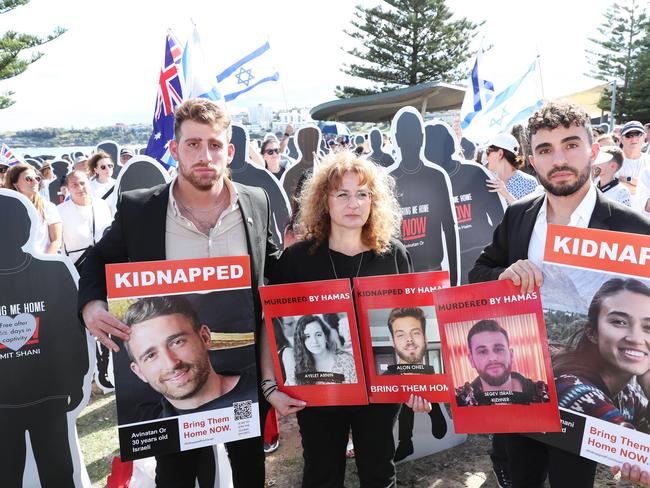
{"x":30,"y":179}
{"x":360,"y":196}
{"x":104,"y":166}
{"x":270,"y":152}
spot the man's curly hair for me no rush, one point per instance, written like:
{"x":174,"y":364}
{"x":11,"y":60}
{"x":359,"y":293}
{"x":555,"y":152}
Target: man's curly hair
{"x":555,"y":114}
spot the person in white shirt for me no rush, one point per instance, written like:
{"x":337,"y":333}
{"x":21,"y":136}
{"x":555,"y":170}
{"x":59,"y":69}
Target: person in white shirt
{"x":24,"y":179}
{"x":604,"y":169}
{"x":641,"y":200}
{"x":84,"y":218}
{"x":100,"y":169}
{"x":633,"y":135}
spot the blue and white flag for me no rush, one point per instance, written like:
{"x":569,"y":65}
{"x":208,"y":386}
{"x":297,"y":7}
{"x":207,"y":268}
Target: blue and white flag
{"x":198,"y":82}
{"x":170,"y":95}
{"x":499,"y":95}
{"x":247,"y":73}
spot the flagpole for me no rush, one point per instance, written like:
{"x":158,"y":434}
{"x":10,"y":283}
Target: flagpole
{"x":541,"y":78}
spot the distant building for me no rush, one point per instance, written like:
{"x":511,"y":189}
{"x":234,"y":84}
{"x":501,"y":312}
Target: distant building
{"x":297,"y":117}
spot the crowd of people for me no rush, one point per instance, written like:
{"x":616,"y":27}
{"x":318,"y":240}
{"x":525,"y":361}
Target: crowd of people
{"x":346,"y":225}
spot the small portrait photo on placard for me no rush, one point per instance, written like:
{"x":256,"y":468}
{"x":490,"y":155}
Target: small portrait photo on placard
{"x":315,"y":349}
{"x":405,"y":340}
{"x":497,"y":361}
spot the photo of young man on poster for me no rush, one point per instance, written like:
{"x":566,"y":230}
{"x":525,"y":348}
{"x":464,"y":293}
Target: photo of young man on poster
{"x":168,"y":348}
{"x":311,"y":352}
{"x":491,"y":356}
{"x":601,"y":370}
{"x":407,"y":327}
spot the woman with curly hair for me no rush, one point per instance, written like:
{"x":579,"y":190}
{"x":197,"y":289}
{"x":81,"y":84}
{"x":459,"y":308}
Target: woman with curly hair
{"x":347,"y":226}
{"x":316,"y":349}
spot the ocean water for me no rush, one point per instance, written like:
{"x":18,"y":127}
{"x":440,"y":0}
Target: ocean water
{"x":58,"y":151}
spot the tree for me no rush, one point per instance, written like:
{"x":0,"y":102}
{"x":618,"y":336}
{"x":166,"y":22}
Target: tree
{"x":623,"y":31}
{"x":407,"y":43}
{"x":638,"y":107}
{"x":12,"y":44}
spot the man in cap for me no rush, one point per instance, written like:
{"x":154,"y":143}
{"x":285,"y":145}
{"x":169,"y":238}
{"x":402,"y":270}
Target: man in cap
{"x":125,"y":155}
{"x":80,"y":162}
{"x":633,"y":135}
{"x":605,"y":167}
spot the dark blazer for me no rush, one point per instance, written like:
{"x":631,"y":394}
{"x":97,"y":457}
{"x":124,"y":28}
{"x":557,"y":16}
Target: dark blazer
{"x":512,"y":236}
{"x":138,"y":234}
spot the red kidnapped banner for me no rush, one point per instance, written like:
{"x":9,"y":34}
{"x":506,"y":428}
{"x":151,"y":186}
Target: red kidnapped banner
{"x":403,"y":358}
{"x":496,"y":351}
{"x":313,"y":332}
{"x":183,"y":276}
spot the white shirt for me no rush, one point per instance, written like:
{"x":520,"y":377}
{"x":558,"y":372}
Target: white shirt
{"x":42,"y":237}
{"x":78,"y":224}
{"x":227,"y":238}
{"x":579,"y":218}
{"x":632,"y":167}
{"x":619,"y":193}
{"x":642,"y":192}
{"x":100,"y":189}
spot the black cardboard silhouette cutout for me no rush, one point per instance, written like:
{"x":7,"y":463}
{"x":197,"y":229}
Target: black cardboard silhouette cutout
{"x":308,"y":140}
{"x":141,"y":172}
{"x":469,"y":149}
{"x":424,"y":194}
{"x":34,"y":163}
{"x":292,"y":149}
{"x":244,"y":171}
{"x":113,"y":150}
{"x":478,"y":211}
{"x":60,"y":168}
{"x":45,"y":353}
{"x":377,"y":154}
{"x":358,"y":140}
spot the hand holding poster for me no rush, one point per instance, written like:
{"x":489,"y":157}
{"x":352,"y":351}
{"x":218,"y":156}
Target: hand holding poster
{"x":186,"y":377}
{"x":596,"y":298}
{"x":312,"y":329}
{"x":495,"y":350}
{"x":399,"y":333}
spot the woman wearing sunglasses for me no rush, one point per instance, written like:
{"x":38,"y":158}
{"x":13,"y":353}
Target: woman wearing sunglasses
{"x":24,"y":179}
{"x":271,"y":154}
{"x":100,"y":169}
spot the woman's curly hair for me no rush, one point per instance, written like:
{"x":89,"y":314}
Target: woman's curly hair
{"x":385,"y":215}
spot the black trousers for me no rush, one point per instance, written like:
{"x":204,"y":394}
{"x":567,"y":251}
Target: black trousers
{"x":47,"y":424}
{"x":531,"y":461}
{"x":324,"y":432}
{"x":407,"y":421}
{"x":182,"y":469}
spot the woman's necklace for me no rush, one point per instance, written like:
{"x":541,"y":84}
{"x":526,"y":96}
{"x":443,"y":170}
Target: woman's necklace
{"x":329,"y":254}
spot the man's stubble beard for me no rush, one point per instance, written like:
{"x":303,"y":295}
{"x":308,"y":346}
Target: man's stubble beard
{"x":201,"y":184}
{"x":566,"y":190}
{"x":497,"y":380}
{"x":410,"y":358}
{"x":200,"y":379}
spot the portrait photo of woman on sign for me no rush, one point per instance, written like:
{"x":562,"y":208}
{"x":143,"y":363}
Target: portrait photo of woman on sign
{"x":318,"y":356}
{"x":603,"y":370}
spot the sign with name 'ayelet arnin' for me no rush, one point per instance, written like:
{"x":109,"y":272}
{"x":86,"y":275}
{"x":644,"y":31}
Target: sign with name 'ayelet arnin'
{"x":186,"y":377}
{"x":313,"y":334}
{"x":400,"y":338}
{"x":496,"y":354}
{"x":596,"y":296}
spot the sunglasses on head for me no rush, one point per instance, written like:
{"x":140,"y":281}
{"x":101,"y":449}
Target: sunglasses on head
{"x":270,"y":152}
{"x":630,"y":135}
{"x":104,"y":166}
{"x":29,"y":179}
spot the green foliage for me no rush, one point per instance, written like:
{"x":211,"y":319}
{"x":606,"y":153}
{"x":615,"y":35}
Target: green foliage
{"x":405,"y":43}
{"x":12,"y":44}
{"x":623,"y":39}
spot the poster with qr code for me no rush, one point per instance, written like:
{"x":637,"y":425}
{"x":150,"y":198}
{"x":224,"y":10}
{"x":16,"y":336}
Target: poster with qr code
{"x":186,"y":376}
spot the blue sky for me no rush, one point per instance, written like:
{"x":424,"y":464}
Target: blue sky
{"x":104,"y":70}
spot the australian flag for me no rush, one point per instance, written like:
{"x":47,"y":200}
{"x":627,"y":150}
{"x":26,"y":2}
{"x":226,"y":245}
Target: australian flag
{"x":170,"y":95}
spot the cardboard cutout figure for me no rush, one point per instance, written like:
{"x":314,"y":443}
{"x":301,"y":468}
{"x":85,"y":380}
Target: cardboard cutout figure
{"x":469,"y":149}
{"x":244,"y":171}
{"x":424,"y":194}
{"x":35,"y":163}
{"x":478,"y":211}
{"x":308,"y":140}
{"x":377,"y":155}
{"x":358,"y":141}
{"x":45,"y":353}
{"x":113,"y":150}
{"x":60,"y":168}
{"x":292,"y":149}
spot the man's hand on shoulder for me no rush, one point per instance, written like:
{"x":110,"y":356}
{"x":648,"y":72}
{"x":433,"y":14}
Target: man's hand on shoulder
{"x":523,"y":273}
{"x":100,"y":322}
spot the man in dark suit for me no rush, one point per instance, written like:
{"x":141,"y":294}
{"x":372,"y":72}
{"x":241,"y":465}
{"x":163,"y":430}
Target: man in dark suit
{"x":201,"y":213}
{"x":562,"y":153}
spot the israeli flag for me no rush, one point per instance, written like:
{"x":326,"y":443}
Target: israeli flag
{"x":499,"y":96}
{"x":198,"y":83}
{"x":247,"y":73}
